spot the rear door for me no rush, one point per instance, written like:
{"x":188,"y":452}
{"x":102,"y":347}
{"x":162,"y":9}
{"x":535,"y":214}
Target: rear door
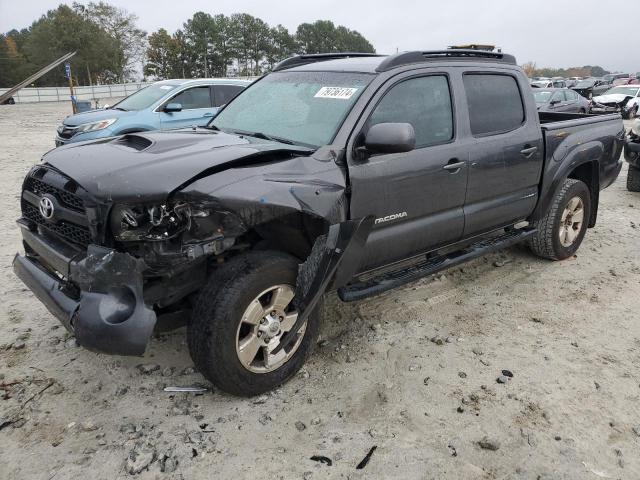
{"x":197,"y":108}
{"x":505,"y":163}
{"x":416,"y":197}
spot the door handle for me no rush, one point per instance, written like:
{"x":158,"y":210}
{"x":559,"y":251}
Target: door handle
{"x":208,"y":115}
{"x":454,"y":165}
{"x":527,"y":151}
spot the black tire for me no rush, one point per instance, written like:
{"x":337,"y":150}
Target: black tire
{"x":633,"y":179}
{"x":546,"y":243}
{"x":212,"y":332}
{"x":582,"y":111}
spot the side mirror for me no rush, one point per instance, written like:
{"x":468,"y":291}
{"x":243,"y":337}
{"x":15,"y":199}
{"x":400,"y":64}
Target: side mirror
{"x":106,"y":106}
{"x":553,"y":102}
{"x":390,"y":138}
{"x":173,"y":107}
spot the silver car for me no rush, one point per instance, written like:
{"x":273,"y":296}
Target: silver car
{"x":560,"y":100}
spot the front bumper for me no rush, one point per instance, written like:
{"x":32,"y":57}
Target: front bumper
{"x":100,"y":301}
{"x":632,"y":153}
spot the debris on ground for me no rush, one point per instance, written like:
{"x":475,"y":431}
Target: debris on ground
{"x":367,"y":457}
{"x":489,"y":443}
{"x":322,"y":459}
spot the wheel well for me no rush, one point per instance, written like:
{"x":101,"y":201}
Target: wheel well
{"x":294,"y":234}
{"x":589,"y":174}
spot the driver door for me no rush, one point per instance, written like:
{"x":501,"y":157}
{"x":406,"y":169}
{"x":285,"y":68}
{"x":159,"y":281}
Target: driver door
{"x":197,"y":108}
{"x":417,"y":197}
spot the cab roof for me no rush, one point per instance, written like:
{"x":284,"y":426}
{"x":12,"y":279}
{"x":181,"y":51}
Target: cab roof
{"x":374,"y":63}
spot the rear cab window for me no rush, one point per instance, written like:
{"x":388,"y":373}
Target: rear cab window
{"x":495,"y":103}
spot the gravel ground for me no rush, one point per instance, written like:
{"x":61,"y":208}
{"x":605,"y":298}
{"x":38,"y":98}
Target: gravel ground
{"x":412,"y":372}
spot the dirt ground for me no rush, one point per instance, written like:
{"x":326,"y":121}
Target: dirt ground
{"x":412,"y":372}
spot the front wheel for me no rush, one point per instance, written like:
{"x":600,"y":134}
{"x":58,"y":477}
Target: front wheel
{"x":562,"y":229}
{"x":239,"y":319}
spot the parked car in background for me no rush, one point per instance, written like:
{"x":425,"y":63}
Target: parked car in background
{"x":163,"y":105}
{"x":623,"y":99}
{"x":610,"y":77}
{"x":560,"y":100}
{"x":548,"y":84}
{"x":585,"y":87}
{"x":625,"y":81}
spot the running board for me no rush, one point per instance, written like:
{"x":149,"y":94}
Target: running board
{"x":359,"y":290}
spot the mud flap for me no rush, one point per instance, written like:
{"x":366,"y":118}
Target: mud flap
{"x":332,"y":262}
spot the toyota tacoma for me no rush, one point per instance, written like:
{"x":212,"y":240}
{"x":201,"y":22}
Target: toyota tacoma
{"x":350,"y":172}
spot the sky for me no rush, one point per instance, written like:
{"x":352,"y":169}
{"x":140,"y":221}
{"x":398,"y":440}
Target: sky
{"x":556,"y":34}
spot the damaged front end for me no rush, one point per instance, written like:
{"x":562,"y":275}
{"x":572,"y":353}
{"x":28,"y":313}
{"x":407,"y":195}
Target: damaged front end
{"x":101,"y":302}
{"x":627,"y":106}
{"x":111,"y":266}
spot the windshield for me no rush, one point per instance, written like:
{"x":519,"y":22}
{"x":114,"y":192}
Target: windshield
{"x":585,"y":84}
{"x":542,"y":96}
{"x":306,"y":108}
{"x":632,"y":91}
{"x":144,"y":98}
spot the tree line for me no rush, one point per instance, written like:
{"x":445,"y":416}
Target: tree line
{"x":531,"y":69}
{"x":112,"y":48}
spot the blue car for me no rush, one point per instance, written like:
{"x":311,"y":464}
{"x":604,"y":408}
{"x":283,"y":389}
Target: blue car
{"x":164,"y":105}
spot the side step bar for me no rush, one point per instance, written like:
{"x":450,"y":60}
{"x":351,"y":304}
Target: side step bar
{"x":359,"y":290}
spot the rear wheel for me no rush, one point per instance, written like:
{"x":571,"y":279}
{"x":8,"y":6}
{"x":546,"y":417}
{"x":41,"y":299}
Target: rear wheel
{"x":562,"y":229}
{"x":633,"y":179}
{"x":241,"y":316}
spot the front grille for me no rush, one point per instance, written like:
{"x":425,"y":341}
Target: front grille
{"x":45,"y":181}
{"x":73,"y":233}
{"x":67,"y":198}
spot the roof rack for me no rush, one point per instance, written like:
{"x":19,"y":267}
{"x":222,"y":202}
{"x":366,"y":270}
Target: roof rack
{"x":318,"y":57}
{"x":406,"y":58}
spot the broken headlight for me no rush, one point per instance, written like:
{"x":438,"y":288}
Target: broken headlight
{"x":151,"y":222}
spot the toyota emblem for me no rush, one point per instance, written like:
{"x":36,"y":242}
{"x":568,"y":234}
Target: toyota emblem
{"x":46,"y":207}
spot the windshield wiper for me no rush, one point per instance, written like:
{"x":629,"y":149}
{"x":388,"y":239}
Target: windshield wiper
{"x":264,"y":136}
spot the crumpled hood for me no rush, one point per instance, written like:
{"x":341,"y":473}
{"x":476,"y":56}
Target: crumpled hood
{"x":145,"y":167}
{"x":95,"y":116}
{"x":611,"y":98}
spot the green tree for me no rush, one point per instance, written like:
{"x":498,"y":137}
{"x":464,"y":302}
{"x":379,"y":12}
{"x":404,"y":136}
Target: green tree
{"x":63,"y":30}
{"x":121,"y":26}
{"x":281,"y":45}
{"x":323,"y":36}
{"x":163,"y":56}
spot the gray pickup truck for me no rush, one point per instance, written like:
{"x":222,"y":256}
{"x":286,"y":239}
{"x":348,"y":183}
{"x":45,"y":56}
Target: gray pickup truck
{"x":348,"y":172}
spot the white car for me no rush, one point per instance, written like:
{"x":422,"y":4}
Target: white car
{"x":624,"y":99}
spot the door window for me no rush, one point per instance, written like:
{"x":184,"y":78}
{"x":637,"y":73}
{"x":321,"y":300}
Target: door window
{"x":425,"y":103}
{"x":197,"y":97}
{"x":225,"y":93}
{"x":494,"y":102}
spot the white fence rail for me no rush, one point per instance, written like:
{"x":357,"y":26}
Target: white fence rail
{"x":61,"y":94}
